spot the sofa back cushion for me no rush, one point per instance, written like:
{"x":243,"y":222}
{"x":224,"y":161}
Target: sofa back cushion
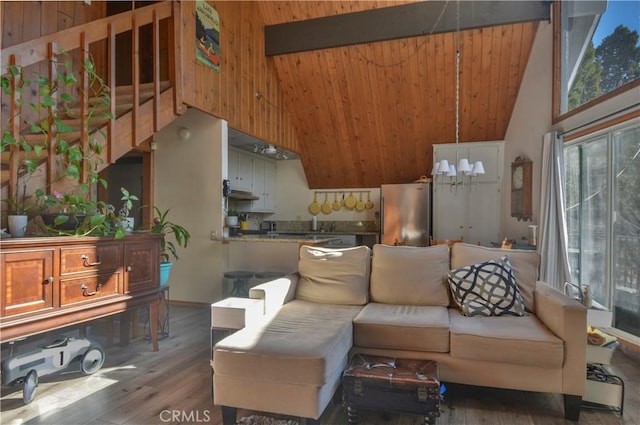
{"x":525,"y":265}
{"x":334,"y":276}
{"x":409,"y":275}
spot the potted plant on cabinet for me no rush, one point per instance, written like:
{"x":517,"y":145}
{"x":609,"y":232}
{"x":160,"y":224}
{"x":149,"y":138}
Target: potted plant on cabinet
{"x":65,"y":199}
{"x":168,"y":248}
{"x":19,"y":205}
{"x":231,"y":220}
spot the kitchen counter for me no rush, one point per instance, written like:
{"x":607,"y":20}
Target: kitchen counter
{"x":327,"y":232}
{"x":299,"y":238}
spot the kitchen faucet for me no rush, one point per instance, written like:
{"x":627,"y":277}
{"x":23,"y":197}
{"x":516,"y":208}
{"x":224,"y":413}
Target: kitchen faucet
{"x":332,"y":226}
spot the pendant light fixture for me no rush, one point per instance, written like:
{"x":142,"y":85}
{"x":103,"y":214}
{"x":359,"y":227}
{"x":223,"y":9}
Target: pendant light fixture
{"x":465,"y":168}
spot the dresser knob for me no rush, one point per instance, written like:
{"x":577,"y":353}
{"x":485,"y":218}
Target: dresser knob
{"x":48,"y":280}
{"x":129,"y":268}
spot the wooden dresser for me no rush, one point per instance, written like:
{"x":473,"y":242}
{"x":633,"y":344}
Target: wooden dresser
{"x":51,"y":282}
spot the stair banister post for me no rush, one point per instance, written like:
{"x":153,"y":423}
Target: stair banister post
{"x":52,"y":53}
{"x":156,"y":71}
{"x":111,"y":81}
{"x":135,"y":78}
{"x":15,"y":118}
{"x":84,"y":105}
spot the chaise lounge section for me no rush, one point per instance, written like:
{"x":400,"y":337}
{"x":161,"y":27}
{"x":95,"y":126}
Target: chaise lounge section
{"x":397,"y":302}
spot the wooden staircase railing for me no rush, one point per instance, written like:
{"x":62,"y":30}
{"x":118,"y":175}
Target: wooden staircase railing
{"x":141,"y":109}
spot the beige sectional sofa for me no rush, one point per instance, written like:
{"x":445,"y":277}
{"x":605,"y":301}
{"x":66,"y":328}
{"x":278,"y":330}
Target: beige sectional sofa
{"x":397,"y":302}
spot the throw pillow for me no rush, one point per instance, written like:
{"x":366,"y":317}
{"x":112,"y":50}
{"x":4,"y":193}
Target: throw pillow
{"x":486,"y":289}
{"x":334,"y":276}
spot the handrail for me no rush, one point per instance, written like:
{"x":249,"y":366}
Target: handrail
{"x":47,"y":48}
{"x":34,"y":51}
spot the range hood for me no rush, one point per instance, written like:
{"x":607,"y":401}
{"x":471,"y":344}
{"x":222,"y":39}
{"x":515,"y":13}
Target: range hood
{"x":242,"y":195}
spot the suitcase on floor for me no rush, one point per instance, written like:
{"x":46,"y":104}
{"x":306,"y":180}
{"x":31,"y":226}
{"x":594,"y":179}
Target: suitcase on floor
{"x":391,"y":385}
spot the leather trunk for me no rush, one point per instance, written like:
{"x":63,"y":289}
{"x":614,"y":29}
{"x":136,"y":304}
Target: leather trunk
{"x":392,"y":385}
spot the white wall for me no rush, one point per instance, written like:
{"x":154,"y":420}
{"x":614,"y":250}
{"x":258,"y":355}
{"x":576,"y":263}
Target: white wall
{"x":530,"y":120}
{"x":294,"y":197}
{"x":188,"y":180}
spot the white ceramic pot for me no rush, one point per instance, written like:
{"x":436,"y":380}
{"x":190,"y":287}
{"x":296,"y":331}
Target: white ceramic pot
{"x":17,"y":225}
{"x":128,"y":224}
{"x":231,"y":220}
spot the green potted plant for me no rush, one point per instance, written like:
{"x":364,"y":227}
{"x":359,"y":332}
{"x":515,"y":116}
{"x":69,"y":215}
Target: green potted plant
{"x":231,"y":220}
{"x":168,"y":248}
{"x":19,"y":205}
{"x":67,"y":205}
{"x":126,"y":222}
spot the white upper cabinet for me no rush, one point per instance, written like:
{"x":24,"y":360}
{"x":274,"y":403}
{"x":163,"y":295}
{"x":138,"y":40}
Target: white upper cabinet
{"x":255,"y":174}
{"x":240,"y":170}
{"x":264,"y":185}
{"x":471,"y":210}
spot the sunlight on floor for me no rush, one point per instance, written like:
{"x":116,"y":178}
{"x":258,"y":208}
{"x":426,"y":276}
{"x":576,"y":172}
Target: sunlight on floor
{"x":49,"y":404}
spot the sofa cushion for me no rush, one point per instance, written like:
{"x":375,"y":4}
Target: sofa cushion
{"x":520,"y":340}
{"x":402,"y":327}
{"x":486,"y":289}
{"x":407,"y":275}
{"x":304,"y":343}
{"x":334,"y":276}
{"x":525,"y":265}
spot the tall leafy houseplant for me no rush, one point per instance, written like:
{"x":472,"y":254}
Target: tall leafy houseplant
{"x":72,"y":210}
{"x":168,"y":248}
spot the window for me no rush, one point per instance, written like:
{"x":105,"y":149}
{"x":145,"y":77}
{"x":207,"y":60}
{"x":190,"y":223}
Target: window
{"x":599,"y":50}
{"x":602,"y":178}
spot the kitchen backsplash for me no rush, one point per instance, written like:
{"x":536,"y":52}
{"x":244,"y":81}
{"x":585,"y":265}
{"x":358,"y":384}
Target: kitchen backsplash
{"x":329,"y":226}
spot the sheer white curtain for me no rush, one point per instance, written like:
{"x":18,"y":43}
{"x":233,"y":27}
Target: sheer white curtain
{"x":554,"y":267}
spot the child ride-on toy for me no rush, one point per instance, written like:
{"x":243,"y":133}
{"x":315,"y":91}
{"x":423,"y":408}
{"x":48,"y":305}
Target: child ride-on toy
{"x":26,"y":368}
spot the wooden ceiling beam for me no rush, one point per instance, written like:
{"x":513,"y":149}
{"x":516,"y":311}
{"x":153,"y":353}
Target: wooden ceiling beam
{"x":395,"y":22}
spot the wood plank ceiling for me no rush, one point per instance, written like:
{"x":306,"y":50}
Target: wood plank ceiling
{"x":369,"y":114}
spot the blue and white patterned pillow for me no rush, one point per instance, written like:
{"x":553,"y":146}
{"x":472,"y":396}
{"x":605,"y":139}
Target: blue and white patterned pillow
{"x":486,"y":289}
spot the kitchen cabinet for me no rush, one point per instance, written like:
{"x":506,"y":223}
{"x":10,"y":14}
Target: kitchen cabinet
{"x":240,"y":170}
{"x":51,"y":282}
{"x":469,"y":210}
{"x":264,"y":186}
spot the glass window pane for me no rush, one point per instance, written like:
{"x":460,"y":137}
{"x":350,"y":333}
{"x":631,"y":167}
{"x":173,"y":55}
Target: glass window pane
{"x":572,"y":190}
{"x":593,"y":223}
{"x":600,"y":49}
{"x":626,"y":230}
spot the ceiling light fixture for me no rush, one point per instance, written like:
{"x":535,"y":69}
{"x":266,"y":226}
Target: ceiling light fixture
{"x":465,"y":167}
{"x":269,"y":150}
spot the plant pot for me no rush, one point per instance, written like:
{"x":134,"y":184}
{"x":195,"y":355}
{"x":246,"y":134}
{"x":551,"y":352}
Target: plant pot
{"x":127,"y":224}
{"x":17,"y":225}
{"x":231,"y":220}
{"x":73,"y":222}
{"x":165,"y":269}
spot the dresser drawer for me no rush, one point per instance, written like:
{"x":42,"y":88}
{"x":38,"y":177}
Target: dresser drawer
{"x":89,"y":288}
{"x":90,"y":258}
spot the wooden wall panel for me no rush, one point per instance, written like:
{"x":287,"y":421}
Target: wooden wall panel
{"x":369,"y":114}
{"x":244,"y":72}
{"x":27,"y":20}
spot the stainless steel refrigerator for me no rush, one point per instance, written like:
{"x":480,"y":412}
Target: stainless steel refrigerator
{"x":405,"y":214}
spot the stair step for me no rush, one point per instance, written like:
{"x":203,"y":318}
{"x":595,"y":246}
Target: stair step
{"x":94,"y":122}
{"x":165,"y":84}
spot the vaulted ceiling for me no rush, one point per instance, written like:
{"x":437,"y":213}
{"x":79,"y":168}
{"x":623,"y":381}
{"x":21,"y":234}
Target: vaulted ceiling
{"x":368,"y":114}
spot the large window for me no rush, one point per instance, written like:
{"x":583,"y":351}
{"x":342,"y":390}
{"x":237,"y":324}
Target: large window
{"x":603,"y":219}
{"x":599,"y":50}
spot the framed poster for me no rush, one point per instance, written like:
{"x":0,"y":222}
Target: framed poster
{"x":207,"y":35}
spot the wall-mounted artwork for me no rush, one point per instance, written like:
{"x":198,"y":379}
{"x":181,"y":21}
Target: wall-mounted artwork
{"x":207,"y":35}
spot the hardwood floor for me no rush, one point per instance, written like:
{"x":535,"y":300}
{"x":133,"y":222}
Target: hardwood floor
{"x":173,"y":386}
